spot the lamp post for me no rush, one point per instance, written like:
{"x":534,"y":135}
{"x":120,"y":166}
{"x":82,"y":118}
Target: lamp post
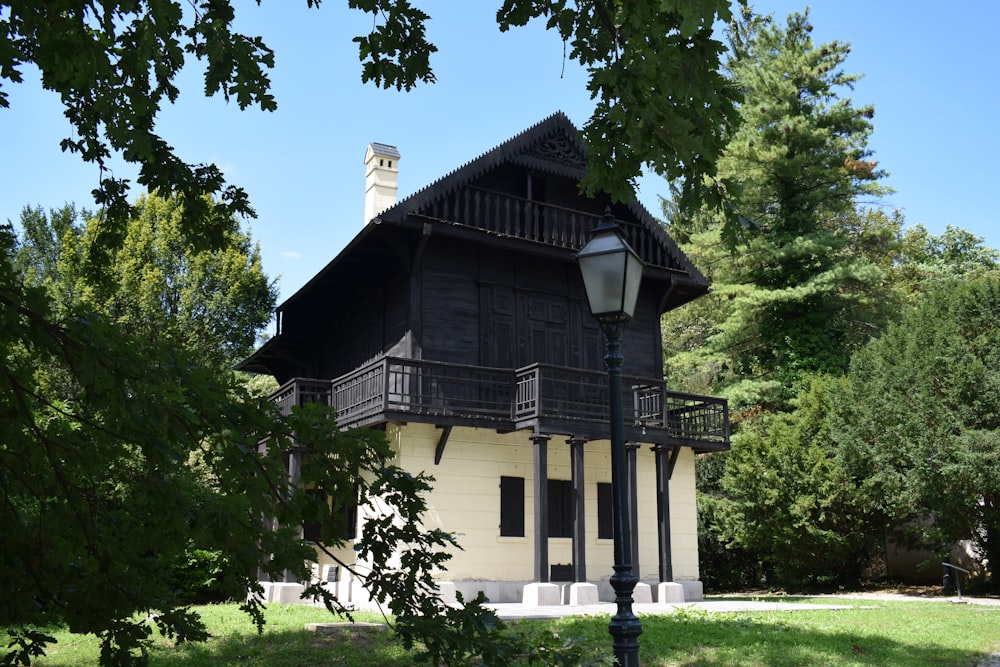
{"x":611,"y":274}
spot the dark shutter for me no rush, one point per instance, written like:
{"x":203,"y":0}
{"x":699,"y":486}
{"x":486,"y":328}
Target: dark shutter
{"x":347,"y":512}
{"x":350,"y":514}
{"x":605,"y":512}
{"x":311,"y":529}
{"x":512,"y":506}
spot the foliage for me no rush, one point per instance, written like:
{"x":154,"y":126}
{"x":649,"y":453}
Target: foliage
{"x":653,"y":67}
{"x":810,"y":278}
{"x":660,"y":99}
{"x":926,"y":259}
{"x":198,"y":575}
{"x":792,"y":297}
{"x":155,"y":286}
{"x":122,"y":455}
{"x":919,"y":423}
{"x":787,"y":498}
{"x":722,"y":566}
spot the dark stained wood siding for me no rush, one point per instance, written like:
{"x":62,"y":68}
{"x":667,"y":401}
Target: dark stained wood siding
{"x":476,"y":269}
{"x":488,"y":307}
{"x":450,"y":302}
{"x":375,"y":321}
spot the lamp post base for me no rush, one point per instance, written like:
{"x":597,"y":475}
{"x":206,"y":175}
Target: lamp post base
{"x":625,"y":627}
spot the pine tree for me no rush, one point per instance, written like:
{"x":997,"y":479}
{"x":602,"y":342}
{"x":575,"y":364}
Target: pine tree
{"x":792,"y":294}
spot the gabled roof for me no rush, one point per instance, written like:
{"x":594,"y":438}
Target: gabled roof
{"x":552,"y":146}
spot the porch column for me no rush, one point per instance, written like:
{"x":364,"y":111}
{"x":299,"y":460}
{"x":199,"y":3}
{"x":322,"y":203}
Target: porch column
{"x":294,"y":474}
{"x":633,"y":503}
{"x":541,"y":476}
{"x":666,"y":457}
{"x":579,"y":511}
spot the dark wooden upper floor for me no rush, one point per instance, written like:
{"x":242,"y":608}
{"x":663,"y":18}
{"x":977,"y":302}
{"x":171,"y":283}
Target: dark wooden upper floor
{"x":463,"y":305}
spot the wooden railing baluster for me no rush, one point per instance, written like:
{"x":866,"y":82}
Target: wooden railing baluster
{"x":507,"y":398}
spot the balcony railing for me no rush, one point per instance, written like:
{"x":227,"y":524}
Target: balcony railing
{"x":393,"y":385}
{"x":551,"y":399}
{"x":505,"y":214}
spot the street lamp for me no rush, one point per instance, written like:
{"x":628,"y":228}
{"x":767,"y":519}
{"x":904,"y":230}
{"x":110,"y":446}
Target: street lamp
{"x":611,"y":275}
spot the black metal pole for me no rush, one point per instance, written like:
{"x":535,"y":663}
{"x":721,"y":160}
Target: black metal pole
{"x":625,"y":628}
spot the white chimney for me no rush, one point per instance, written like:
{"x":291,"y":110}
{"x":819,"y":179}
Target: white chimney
{"x":381,"y":179}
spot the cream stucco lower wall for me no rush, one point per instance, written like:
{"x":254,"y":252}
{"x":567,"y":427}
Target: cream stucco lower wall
{"x":466,"y":501}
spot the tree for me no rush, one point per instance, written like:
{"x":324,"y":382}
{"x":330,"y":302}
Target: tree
{"x":798,"y":283}
{"x":213,"y":303}
{"x":792,"y":296}
{"x":925,"y":258}
{"x":787,"y":497}
{"x":659,"y":98}
{"x":42,"y":240}
{"x":920,"y":423}
{"x":119,"y":455}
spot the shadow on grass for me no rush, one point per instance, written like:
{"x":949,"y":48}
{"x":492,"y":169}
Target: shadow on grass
{"x":775,"y":639}
{"x":356,"y":646}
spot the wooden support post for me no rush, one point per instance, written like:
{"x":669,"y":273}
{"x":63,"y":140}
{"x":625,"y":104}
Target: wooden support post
{"x":541,"y":486}
{"x":579,"y":511}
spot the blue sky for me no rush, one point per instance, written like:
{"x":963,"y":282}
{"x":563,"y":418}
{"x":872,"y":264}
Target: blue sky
{"x":931,"y":70}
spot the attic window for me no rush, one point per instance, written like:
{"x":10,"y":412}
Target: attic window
{"x":390,"y":164}
{"x":381,"y":162}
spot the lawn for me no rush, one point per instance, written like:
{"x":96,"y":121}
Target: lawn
{"x":870,"y":633}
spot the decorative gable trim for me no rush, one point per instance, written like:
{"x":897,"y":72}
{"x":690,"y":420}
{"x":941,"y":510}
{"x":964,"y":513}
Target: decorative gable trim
{"x":552,"y":146}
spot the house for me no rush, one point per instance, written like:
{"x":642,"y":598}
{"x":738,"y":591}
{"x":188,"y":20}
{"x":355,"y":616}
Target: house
{"x":457,"y":321}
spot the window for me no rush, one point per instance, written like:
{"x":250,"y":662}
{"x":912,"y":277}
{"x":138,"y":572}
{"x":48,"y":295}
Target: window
{"x":512,"y":506}
{"x":349,"y":513}
{"x":310,"y":529}
{"x":560,"y":508}
{"x":605,"y":512}
{"x":346,"y":516}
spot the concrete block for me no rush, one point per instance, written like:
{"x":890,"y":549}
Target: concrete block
{"x":693,"y":590}
{"x":287,"y":593}
{"x":643,"y":593}
{"x":582,"y":593}
{"x":537,"y":594}
{"x":446,"y":589}
{"x":669,"y":592}
{"x":268,"y":591}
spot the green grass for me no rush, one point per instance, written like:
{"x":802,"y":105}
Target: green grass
{"x":887,"y":633}
{"x":871,"y":633}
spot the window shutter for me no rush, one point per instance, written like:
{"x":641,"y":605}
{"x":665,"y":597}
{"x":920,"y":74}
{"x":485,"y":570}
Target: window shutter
{"x":512,"y":506}
{"x":605,"y":512}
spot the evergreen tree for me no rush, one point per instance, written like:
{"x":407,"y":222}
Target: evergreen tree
{"x":920,"y":422}
{"x":799,"y":282}
{"x":794,"y":292}
{"x":787,"y":497}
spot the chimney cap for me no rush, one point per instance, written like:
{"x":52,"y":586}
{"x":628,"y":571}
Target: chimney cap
{"x":376,"y":148}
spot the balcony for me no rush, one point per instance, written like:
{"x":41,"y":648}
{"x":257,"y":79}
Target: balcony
{"x":503,"y":214}
{"x":546,"y":398}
